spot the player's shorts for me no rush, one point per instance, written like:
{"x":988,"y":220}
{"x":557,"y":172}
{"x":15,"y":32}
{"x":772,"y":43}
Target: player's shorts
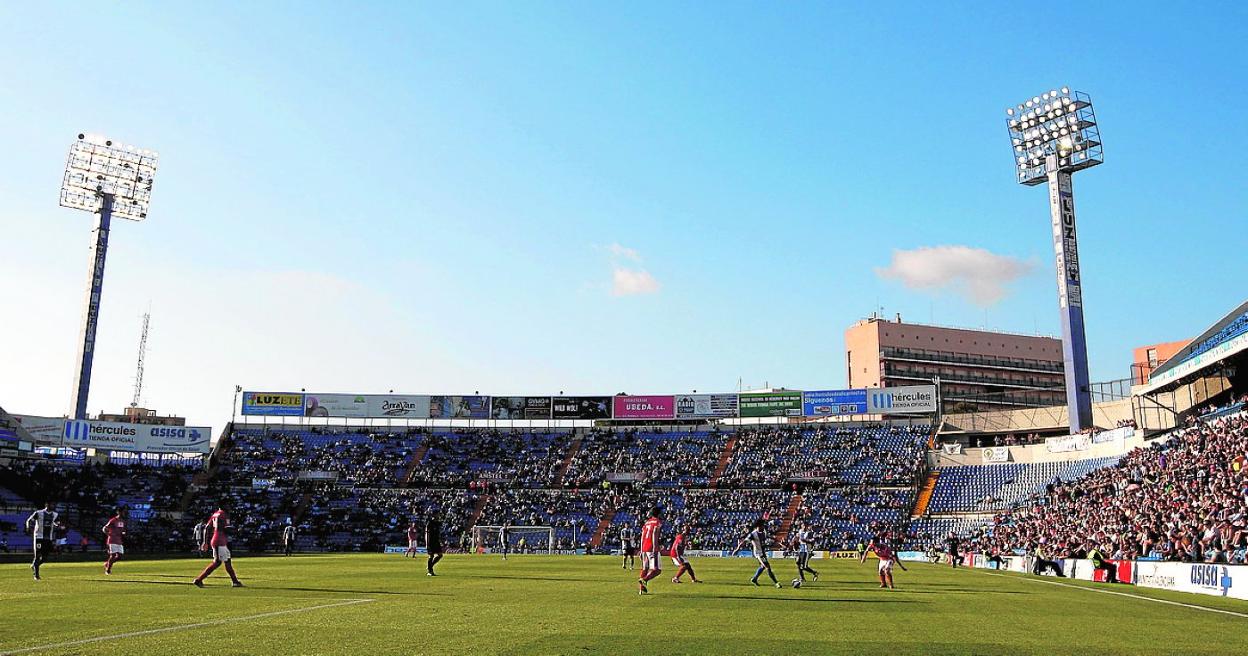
{"x":434,"y":548}
{"x":886,"y":566}
{"x":679,"y":561}
{"x":761,"y":557}
{"x":411,"y":544}
{"x":630,"y":551}
{"x":43,"y":545}
{"x":651,"y":560}
{"x":221,"y":553}
{"x":116,"y":549}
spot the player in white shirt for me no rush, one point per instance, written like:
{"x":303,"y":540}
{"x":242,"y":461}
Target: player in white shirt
{"x":628,"y":547}
{"x":757,"y":537}
{"x":42,"y":527}
{"x":804,"y":540}
{"x":288,"y":538}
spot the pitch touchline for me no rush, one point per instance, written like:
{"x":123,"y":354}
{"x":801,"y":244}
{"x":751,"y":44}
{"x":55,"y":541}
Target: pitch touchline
{"x":183,"y":627}
{"x":1121,"y":594}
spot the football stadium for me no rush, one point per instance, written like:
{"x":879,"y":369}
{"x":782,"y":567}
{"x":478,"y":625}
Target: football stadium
{"x":467,"y":415}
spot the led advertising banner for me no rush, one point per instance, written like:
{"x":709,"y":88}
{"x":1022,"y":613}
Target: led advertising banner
{"x":696,"y":406}
{"x":771,"y":404}
{"x":520,"y":407}
{"x":273,"y":404}
{"x":828,"y":403}
{"x":581,"y":407}
{"x":398,"y":406}
{"x":644,"y":407}
{"x":459,"y":407}
{"x":335,"y":405}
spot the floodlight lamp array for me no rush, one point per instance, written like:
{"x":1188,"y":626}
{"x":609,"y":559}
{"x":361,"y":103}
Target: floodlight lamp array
{"x":98,"y":167}
{"x":1055,"y":126}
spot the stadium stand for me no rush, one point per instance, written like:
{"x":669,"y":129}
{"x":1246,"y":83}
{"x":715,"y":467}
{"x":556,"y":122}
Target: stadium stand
{"x":355,"y":489}
{"x":1183,"y":498}
{"x":981,"y":488}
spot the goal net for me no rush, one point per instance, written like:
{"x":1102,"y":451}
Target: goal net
{"x":518,"y":539}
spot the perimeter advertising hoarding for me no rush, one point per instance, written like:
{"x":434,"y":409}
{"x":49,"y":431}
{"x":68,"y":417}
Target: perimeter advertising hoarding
{"x":398,"y":406}
{"x":829,"y":403}
{"x":117,"y":436}
{"x":644,"y":407}
{"x":520,"y":407}
{"x":580,"y":407}
{"x":273,"y":404}
{"x":695,"y":406}
{"x":911,"y":399}
{"x":459,"y":407}
{"x":335,"y":405}
{"x":771,"y":404}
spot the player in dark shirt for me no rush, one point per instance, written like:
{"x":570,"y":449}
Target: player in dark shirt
{"x":953,"y":547}
{"x":433,"y":543}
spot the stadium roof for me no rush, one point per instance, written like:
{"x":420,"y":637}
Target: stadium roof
{"x":1222,"y":340}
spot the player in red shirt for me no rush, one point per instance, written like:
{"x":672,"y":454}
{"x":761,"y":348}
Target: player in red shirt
{"x":219,"y":522}
{"x":413,"y":536}
{"x":114,"y":535}
{"x":678,"y":556}
{"x":651,"y":561}
{"x":887,"y":559}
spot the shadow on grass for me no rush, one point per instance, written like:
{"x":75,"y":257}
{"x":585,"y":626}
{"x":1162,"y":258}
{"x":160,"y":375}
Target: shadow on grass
{"x":248,"y":586}
{"x":552,"y":579}
{"x":809,"y":600}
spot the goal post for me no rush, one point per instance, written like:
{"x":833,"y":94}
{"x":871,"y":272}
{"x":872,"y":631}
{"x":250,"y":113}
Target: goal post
{"x":520,"y":539}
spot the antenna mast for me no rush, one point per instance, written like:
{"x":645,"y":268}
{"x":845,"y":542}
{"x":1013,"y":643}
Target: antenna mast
{"x":138,"y":375}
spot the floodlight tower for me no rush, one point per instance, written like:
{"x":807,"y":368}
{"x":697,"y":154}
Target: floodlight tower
{"x":1054,"y":135}
{"x":109,"y":180}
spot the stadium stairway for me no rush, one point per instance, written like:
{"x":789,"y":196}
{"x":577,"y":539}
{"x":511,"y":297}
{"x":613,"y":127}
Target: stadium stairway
{"x":573,"y":449}
{"x":417,"y":457}
{"x":786,"y":524}
{"x":924,"y":496}
{"x":477,"y":510}
{"x":724,"y":459}
{"x":601,"y":532}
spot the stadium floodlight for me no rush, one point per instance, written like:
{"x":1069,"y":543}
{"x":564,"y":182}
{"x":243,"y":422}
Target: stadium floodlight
{"x":1052,"y":136}
{"x":108,"y":180}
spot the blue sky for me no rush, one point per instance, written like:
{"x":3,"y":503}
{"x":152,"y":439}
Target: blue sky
{"x":437,"y":198}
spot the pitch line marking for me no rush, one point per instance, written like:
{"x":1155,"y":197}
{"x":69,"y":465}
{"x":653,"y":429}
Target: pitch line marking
{"x":1122,"y":594}
{"x":184,"y":627}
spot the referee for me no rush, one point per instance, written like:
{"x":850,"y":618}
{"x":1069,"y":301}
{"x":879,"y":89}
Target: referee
{"x":42,"y":525}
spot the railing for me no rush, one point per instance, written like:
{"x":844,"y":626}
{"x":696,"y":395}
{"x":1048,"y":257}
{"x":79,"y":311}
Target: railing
{"x":949,"y":357}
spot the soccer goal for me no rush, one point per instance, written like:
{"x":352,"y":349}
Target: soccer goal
{"x":519,"y":539}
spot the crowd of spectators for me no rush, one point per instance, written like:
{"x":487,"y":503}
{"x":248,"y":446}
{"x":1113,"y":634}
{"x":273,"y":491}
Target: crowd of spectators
{"x":1183,"y":499}
{"x":771,"y":456}
{"x":657,"y":458}
{"x":357,"y":489}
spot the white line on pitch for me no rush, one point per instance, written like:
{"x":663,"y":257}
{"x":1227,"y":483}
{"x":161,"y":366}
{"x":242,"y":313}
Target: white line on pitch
{"x":1120,"y":594}
{"x":183,"y":627}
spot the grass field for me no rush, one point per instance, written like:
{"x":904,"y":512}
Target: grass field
{"x":374,"y":604}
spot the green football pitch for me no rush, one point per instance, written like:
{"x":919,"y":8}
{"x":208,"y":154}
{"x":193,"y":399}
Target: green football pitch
{"x":374,"y":604}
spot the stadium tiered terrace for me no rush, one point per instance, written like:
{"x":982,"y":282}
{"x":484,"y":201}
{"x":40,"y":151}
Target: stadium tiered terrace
{"x":357,"y":488}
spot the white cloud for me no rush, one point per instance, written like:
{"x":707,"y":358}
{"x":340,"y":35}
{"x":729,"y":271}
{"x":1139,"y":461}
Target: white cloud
{"x":976,"y":274}
{"x":626,"y":278}
{"x":631,"y":282}
{"x":618,"y":251}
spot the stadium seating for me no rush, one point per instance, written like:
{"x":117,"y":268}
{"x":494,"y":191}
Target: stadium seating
{"x":983,"y":488}
{"x":355,"y":489}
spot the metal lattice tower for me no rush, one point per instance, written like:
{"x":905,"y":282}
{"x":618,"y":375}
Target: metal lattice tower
{"x":138,"y":374}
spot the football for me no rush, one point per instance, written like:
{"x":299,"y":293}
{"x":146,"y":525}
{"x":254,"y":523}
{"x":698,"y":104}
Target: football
{"x":797,"y":583}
